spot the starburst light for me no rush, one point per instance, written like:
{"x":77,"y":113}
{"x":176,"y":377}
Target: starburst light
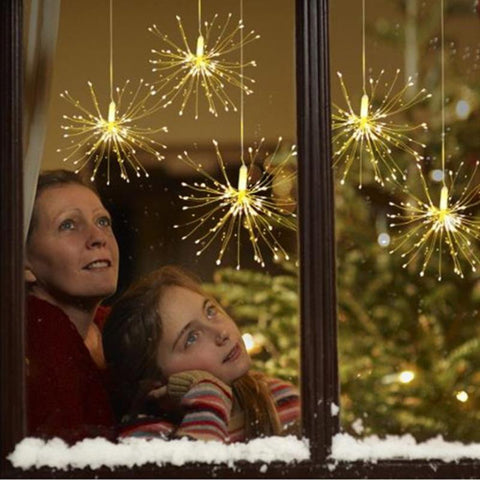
{"x":95,"y":137}
{"x":432,"y":228}
{"x":185,"y":72}
{"x":451,"y":225}
{"x":222,"y":210}
{"x":371,"y":134}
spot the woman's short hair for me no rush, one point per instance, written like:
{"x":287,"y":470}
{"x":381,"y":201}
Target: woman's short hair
{"x":56,"y":178}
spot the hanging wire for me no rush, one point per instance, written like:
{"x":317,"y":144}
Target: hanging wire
{"x":242,"y":148}
{"x":199,"y":17}
{"x":442,"y":39}
{"x":111,"y":50}
{"x":363,"y":48}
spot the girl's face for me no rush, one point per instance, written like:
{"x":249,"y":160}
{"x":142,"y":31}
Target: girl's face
{"x":198,"y":335}
{"x":72,"y":253}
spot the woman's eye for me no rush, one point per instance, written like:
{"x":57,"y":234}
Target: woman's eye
{"x":105,"y":222}
{"x":191,"y":338}
{"x":211,"y":310}
{"x":67,"y":225}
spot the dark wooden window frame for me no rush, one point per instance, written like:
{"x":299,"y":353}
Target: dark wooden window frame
{"x":317,"y":254}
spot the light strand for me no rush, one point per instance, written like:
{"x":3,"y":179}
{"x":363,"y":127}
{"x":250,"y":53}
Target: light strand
{"x":205,"y":71}
{"x":370,"y":136}
{"x":450,"y":225}
{"x":94,"y":138}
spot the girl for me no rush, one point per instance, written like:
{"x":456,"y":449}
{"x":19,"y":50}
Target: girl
{"x":179,"y":367}
{"x":71,"y":266}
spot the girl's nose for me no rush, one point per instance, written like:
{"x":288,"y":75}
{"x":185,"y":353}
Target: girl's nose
{"x":222,"y":337}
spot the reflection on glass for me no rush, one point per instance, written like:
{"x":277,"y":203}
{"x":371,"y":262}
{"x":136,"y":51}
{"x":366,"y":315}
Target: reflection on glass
{"x":409,"y":344}
{"x":261,"y":295}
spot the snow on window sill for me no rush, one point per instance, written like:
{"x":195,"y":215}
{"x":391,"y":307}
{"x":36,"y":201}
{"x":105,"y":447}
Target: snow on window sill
{"x":131,"y":452}
{"x":373,"y":448}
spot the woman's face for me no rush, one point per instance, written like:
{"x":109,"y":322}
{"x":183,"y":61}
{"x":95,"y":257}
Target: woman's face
{"x":198,"y":335}
{"x":72,"y":253}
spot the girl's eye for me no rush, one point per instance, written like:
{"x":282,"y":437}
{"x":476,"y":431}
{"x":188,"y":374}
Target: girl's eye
{"x":67,"y":225}
{"x":191,"y":338}
{"x":104,"y":221}
{"x":211,"y":310}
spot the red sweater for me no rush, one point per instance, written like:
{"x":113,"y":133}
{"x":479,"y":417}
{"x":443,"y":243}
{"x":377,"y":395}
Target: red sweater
{"x":66,"y":392}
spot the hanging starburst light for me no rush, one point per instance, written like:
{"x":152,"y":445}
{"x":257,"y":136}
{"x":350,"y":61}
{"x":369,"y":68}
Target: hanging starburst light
{"x":450,"y":225}
{"x":222,"y":210}
{"x":94,"y":137}
{"x":185,"y":72}
{"x":370,"y":133}
{"x":434,"y":227}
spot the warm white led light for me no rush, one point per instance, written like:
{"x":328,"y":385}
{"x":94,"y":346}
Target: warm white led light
{"x":462,"y":396}
{"x":406,"y":376}
{"x":248,"y":341}
{"x":384,"y":239}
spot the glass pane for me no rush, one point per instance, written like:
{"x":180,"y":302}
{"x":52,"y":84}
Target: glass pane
{"x":408,"y":280}
{"x":184,"y":208}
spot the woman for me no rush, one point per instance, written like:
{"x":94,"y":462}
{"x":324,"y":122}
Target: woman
{"x":71,"y":266}
{"x":179,"y":367}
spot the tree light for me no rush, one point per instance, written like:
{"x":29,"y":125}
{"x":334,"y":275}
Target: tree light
{"x":437,"y":175}
{"x":249,"y":341}
{"x":406,"y":376}
{"x":462,"y":396}
{"x":462,"y":109}
{"x":383,"y":239}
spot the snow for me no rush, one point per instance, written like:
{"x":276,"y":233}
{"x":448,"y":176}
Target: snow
{"x":334,"y":409}
{"x":347,"y":448}
{"x":98,"y":452}
{"x":131,"y":452}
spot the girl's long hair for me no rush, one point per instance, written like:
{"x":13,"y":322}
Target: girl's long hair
{"x":130,"y":340}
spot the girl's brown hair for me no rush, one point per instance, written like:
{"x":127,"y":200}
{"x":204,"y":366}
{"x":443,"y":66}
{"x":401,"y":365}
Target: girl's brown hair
{"x":130,"y":341}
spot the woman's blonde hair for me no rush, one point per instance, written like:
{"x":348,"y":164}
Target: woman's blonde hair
{"x":130,"y":340}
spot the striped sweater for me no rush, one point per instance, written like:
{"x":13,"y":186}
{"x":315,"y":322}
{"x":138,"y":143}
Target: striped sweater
{"x":209,"y":413}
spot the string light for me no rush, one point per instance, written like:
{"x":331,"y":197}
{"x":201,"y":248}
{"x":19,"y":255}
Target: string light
{"x":225,"y":210}
{"x":449,"y":224}
{"x":462,"y":396}
{"x":406,"y":376}
{"x":370,"y":134}
{"x":185,"y":72}
{"x":253,"y":343}
{"x":95,"y":137}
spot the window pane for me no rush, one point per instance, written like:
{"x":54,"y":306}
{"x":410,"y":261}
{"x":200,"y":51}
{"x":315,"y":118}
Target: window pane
{"x":156,"y":217}
{"x":408,"y":340}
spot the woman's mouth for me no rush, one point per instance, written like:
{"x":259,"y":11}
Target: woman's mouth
{"x":98,"y":264}
{"x":234,"y":353}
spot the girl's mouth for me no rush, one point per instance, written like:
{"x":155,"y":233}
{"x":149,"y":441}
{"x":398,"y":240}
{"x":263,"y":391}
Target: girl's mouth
{"x":233,"y":354}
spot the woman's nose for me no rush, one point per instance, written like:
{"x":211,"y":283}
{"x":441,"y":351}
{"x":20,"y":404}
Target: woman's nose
{"x":96,"y":237}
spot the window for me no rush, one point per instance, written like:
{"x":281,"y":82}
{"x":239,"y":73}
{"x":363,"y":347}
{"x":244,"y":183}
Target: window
{"x":318,"y":296}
